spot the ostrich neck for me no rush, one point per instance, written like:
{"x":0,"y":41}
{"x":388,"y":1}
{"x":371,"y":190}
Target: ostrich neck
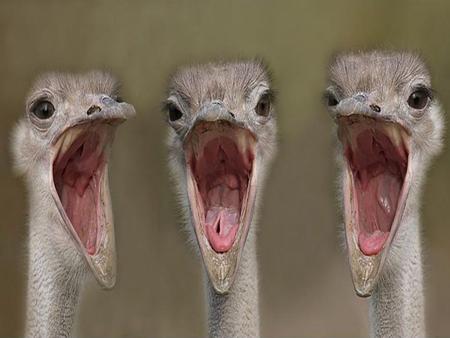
{"x":397,"y":305}
{"x":236,"y":314}
{"x":53,"y":285}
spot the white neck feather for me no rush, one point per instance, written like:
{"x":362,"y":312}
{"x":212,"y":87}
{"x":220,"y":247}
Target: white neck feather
{"x":397,"y":305}
{"x":236,"y":314}
{"x":55,"y":273}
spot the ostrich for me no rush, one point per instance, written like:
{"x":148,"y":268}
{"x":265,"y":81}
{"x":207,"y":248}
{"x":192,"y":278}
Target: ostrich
{"x":221,"y":140}
{"x":61,"y":146}
{"x":390,"y":126}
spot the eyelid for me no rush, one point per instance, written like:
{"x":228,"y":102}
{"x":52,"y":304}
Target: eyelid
{"x":39,"y":98}
{"x":117,"y":98}
{"x":170,"y":103}
{"x":328,"y":94}
{"x":269,"y":93}
{"x":430,"y":92}
{"x":332,"y":90}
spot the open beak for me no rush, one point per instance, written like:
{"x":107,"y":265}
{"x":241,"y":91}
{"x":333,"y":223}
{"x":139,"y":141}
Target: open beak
{"x":221,"y":185}
{"x":80,"y":186}
{"x":376,"y":182}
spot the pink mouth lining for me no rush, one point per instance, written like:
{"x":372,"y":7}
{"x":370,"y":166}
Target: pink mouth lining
{"x":378,"y":169}
{"x":77,"y":175}
{"x":222,"y":174}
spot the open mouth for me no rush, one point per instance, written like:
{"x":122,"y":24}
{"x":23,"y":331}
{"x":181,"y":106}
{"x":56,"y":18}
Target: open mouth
{"x":220,"y":166}
{"x":78,"y":174}
{"x":377,"y":157}
{"x":375,"y":185}
{"x":81,"y":193}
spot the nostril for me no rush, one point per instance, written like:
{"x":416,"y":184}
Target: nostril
{"x":232,"y":115}
{"x":93,"y":109}
{"x":375,"y":108}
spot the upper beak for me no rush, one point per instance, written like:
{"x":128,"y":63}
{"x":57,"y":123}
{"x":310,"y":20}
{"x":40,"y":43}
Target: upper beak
{"x":106,"y":109}
{"x":103,"y":108}
{"x":357,"y":104}
{"x":211,"y":112}
{"x":110,"y":109}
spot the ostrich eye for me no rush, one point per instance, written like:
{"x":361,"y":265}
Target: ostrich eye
{"x":419,"y":99}
{"x":43,"y":110}
{"x":331,"y":100}
{"x":174,"y":113}
{"x":263,"y":106}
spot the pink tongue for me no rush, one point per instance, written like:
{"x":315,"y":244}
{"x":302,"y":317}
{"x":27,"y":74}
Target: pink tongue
{"x":372,"y":243}
{"x":377,"y":205}
{"x":221,"y":227}
{"x":222,"y":212}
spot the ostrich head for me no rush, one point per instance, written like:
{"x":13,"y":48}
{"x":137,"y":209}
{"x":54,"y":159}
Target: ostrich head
{"x":389,"y":124}
{"x":61,"y":146}
{"x":222,"y":137}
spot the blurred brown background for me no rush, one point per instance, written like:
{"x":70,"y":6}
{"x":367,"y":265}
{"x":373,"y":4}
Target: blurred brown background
{"x":305,"y":282}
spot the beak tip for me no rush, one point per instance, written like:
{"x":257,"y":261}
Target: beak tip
{"x":221,"y":285}
{"x":107,"y":283}
{"x":363,"y":293}
{"x":363,"y":288}
{"x":221,"y":288}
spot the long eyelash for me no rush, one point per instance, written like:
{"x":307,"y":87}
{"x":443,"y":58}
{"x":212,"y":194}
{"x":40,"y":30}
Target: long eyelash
{"x":35,"y":102}
{"x":271,"y":95}
{"x":430,"y":91}
{"x":118,"y":98}
{"x":165,"y":108}
{"x":169,"y":104}
{"x":32,"y":104}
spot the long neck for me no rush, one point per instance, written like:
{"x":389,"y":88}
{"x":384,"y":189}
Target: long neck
{"x":53,"y":285}
{"x":397,"y":306}
{"x":236,"y":314}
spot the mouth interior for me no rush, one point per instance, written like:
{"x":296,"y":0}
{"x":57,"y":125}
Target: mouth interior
{"x":378,"y":160}
{"x":78,"y":173}
{"x":221,"y":165}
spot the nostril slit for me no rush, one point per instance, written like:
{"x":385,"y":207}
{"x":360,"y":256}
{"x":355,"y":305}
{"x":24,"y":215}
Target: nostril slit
{"x":232,"y":115}
{"x":375,"y":108}
{"x":93,"y":109}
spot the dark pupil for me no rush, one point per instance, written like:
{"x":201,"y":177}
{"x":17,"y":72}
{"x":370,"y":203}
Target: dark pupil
{"x":174,"y":113}
{"x":332,"y":101}
{"x":263,"y":107}
{"x":44,"y":110}
{"x":418,"y":100}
